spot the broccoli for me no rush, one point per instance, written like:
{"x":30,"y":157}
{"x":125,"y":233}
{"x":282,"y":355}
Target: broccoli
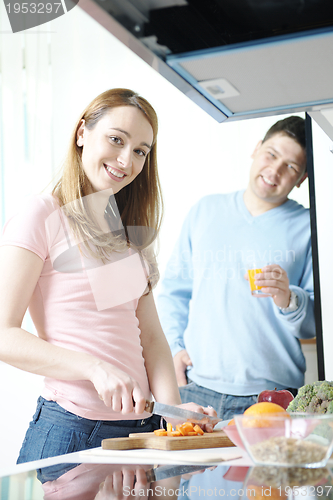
{"x":313,"y":398}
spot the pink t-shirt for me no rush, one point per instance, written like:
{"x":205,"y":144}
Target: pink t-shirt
{"x":81,"y":304}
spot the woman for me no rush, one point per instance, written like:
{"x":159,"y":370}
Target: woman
{"x":86,"y":274}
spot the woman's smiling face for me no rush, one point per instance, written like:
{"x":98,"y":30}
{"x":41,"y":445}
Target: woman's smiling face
{"x":115,"y":149}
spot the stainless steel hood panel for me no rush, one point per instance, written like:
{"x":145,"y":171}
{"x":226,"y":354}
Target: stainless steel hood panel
{"x":289,"y":70}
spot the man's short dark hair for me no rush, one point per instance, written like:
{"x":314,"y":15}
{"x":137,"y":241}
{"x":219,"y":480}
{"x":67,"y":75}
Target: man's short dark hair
{"x":293,"y":126}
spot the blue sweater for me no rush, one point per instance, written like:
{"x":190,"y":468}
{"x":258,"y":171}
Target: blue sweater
{"x":238,"y":344}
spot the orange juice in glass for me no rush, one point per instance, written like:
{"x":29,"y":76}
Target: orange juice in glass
{"x":252,"y":271}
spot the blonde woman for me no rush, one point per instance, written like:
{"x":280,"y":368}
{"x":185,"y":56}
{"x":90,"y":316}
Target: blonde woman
{"x":80,"y":258}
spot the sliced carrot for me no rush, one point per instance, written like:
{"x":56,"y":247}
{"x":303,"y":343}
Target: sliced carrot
{"x":160,"y":432}
{"x":174,"y":434}
{"x":182,"y":431}
{"x":198,"y":429}
{"x":185,"y":428}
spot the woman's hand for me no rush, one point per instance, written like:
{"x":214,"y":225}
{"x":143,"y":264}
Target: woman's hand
{"x":199,"y":409}
{"x":126,"y":483}
{"x":117,"y":389}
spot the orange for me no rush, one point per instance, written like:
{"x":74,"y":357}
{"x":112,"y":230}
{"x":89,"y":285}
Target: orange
{"x":264,"y":408}
{"x":263,"y":492}
{"x":232,"y":422}
{"x":260,"y":410}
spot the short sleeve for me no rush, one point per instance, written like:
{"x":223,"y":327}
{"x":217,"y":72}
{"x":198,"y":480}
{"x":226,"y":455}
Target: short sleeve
{"x":27,"y":229}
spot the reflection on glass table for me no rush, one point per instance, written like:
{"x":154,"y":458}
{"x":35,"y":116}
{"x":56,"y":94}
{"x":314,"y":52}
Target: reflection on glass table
{"x":290,"y":483}
{"x":183,"y":482}
{"x":97,"y":482}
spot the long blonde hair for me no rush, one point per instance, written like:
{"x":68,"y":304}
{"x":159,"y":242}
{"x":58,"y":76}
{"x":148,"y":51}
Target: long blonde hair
{"x":139,"y":203}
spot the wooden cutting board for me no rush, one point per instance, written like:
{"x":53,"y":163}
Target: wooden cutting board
{"x":215,"y":439}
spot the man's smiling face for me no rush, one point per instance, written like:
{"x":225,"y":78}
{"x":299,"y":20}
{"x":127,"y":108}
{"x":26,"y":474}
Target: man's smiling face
{"x":278,"y":166}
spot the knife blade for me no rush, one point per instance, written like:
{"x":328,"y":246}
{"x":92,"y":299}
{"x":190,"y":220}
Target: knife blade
{"x":166,"y":471}
{"x":179,"y":413}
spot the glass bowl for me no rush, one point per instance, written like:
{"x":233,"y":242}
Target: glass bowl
{"x":290,"y":439}
{"x":270,"y":482}
{"x":233,"y":434}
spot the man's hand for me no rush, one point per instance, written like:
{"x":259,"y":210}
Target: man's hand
{"x":274,"y":280}
{"x":181,"y":362}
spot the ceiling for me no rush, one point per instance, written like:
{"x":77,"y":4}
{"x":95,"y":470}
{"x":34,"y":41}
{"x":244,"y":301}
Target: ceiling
{"x":235,"y":58}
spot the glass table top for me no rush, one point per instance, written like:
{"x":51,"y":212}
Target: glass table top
{"x":91,"y":481}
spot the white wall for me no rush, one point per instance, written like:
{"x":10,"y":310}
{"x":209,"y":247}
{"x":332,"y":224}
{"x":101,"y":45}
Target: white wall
{"x":67,"y":63}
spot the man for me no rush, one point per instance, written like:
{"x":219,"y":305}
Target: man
{"x":228,"y":345}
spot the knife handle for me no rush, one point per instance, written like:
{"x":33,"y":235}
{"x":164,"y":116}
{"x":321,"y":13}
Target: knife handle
{"x":149,"y":406}
{"x":150,"y":475}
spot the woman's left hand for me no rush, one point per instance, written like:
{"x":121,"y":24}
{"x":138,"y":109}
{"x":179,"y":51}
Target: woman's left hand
{"x":199,"y":409}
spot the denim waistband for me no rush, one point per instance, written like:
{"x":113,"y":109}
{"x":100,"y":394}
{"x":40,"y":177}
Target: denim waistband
{"x":53,"y":412}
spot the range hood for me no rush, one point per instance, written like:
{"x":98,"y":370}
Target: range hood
{"x":234,"y":58}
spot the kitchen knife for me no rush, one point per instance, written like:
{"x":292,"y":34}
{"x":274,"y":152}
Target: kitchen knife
{"x":179,"y":413}
{"x":166,"y":471}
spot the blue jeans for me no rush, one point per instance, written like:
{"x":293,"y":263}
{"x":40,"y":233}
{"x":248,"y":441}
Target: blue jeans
{"x":225,"y":405}
{"x":54,"y":431}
